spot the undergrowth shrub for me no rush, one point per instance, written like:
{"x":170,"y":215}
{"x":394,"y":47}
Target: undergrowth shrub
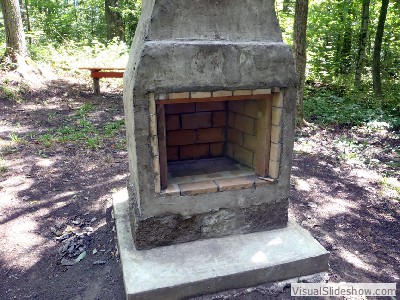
{"x":343,"y":105}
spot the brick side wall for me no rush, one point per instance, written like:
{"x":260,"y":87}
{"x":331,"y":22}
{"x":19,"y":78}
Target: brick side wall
{"x":241,"y":132}
{"x":196,"y":130}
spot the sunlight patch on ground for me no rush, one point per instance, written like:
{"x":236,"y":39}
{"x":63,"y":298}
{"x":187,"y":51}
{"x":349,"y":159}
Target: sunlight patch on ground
{"x":22,"y":244}
{"x":44,"y":162}
{"x":17,"y":183}
{"x":336,"y":206}
{"x":307,"y":147}
{"x":390,"y":187}
{"x":301,"y":184}
{"x":365,"y":173}
{"x":354,"y":260}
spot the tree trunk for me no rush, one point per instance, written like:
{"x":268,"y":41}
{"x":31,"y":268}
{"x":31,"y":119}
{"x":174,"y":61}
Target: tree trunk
{"x":15,"y":37}
{"x":300,"y":54}
{"x":113,"y":20}
{"x":376,"y":59}
{"x":345,"y":50}
{"x":362,"y":42}
{"x":28,"y":21}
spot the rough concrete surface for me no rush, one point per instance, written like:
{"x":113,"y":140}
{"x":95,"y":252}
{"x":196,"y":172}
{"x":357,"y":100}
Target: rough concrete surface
{"x":171,"y":229}
{"x":189,"y":269}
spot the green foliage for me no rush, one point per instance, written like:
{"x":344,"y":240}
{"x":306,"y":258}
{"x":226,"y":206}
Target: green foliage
{"x":57,"y":22}
{"x":333,"y":36}
{"x":3,"y":167}
{"x":12,"y":90}
{"x":111,"y":128}
{"x":343,"y":105}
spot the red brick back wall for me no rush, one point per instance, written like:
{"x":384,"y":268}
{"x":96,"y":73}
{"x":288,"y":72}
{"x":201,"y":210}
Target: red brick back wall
{"x":195,"y":130}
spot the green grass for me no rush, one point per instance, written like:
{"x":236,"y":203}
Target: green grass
{"x":12,"y":92}
{"x":82,"y":131}
{"x":3,"y":167}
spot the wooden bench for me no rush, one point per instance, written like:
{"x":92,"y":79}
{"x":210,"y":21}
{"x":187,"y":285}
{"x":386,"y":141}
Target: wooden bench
{"x":97,"y":73}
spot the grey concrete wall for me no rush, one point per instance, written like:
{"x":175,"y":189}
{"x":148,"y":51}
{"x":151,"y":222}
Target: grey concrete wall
{"x":231,"y":20}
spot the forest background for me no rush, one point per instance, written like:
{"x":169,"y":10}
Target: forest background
{"x":341,"y":41}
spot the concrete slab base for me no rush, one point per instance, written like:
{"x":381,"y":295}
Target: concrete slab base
{"x":213,"y":265}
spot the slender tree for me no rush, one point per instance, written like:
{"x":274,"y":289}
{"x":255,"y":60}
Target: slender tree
{"x":362,"y":42}
{"x":113,"y":17}
{"x":376,"y":59}
{"x":300,"y":54}
{"x":15,"y":37}
{"x":346,"y":46}
{"x":28,"y":20}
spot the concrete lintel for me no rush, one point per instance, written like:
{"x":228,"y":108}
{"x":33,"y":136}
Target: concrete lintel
{"x":213,"y":265}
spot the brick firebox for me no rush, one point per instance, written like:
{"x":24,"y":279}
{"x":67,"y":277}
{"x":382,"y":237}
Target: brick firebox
{"x":241,"y":125}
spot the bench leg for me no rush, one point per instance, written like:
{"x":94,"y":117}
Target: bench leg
{"x":96,"y":86}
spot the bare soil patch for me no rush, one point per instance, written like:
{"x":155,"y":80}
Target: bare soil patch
{"x":55,"y":197}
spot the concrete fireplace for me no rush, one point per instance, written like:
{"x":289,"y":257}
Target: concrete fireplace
{"x":209,"y":97}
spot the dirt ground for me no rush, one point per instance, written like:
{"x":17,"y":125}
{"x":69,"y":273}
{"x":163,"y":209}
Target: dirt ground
{"x":55,"y":198}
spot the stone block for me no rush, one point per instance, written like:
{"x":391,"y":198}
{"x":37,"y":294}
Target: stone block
{"x":276,"y":116}
{"x":235,"y":136}
{"x":178,"y":95}
{"x":200,"y":94}
{"x":152,"y":104}
{"x":251,"y":109}
{"x":172,"y":122}
{"x":275,"y":152}
{"x":245,"y":124}
{"x":236,"y":106}
{"x":195,"y":188}
{"x":216,"y":149}
{"x":275,"y":134}
{"x":210,"y":135}
{"x":210,"y":106}
{"x":231,"y":119}
{"x":153,"y":125}
{"x":219,"y":118}
{"x":171,"y":190}
{"x":180,"y":137}
{"x":230,"y":184}
{"x":173,"y":153}
{"x":243,"y":155}
{"x":262,"y":92}
{"x":222,"y":93}
{"x":194,"y":151}
{"x":277,"y":100}
{"x":273,"y":169}
{"x":241,"y":92}
{"x":173,"y":109}
{"x":229,"y":149}
{"x":196,"y":120}
{"x":276,"y":90}
{"x":250,"y":142}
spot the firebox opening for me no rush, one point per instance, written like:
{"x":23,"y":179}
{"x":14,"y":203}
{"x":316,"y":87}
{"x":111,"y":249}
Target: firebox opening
{"x":204,"y":142}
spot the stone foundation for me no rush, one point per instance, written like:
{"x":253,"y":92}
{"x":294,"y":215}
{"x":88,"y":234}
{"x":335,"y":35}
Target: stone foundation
{"x":172,"y":229}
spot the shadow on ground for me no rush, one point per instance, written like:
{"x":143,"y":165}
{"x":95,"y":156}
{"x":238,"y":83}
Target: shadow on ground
{"x":47,"y":189}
